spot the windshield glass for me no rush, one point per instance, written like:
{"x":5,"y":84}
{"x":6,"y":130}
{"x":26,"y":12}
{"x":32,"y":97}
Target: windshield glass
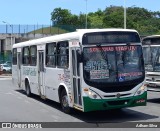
{"x":110,"y":64}
{"x":152,"y":58}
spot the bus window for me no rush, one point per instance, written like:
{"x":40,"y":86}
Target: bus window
{"x":14,"y":58}
{"x":26,"y":59}
{"x":62,"y":54}
{"x":51,"y":55}
{"x":33,"y":56}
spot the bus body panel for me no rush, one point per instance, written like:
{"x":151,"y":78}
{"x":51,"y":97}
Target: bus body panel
{"x":15,"y":75}
{"x":30,"y":74}
{"x":53,"y":79}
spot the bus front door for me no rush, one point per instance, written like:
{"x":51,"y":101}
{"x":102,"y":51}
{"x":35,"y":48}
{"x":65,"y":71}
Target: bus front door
{"x":76,"y":86}
{"x":41,"y":73}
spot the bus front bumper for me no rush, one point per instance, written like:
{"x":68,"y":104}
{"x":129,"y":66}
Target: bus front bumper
{"x":104,"y":104}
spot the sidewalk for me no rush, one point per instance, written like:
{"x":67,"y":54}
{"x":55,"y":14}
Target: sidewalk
{"x":5,"y":75}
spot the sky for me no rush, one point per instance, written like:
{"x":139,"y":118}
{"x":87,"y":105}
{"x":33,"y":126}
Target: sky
{"x":39,"y":11}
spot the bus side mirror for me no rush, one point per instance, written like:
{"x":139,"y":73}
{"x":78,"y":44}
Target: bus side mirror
{"x":79,"y":55}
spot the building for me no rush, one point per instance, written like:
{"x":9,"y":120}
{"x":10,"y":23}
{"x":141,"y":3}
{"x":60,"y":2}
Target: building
{"x":7,"y":40}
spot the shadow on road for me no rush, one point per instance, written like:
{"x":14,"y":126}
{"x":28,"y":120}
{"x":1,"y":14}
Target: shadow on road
{"x":122,"y":115}
{"x":154,"y":100}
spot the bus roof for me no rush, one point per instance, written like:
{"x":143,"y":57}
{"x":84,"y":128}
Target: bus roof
{"x":108,"y":29}
{"x":67,"y":36}
{"x":151,"y":36}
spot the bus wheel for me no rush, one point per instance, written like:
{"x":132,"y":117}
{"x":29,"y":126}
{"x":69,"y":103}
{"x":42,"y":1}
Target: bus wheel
{"x":28,"y":90}
{"x":64,"y":102}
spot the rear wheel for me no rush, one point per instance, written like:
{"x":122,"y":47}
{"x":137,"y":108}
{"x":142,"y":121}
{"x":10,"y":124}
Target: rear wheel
{"x":64,"y":102}
{"x":28,"y":90}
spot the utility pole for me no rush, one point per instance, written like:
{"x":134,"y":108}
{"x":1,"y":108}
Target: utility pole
{"x":86,"y":15}
{"x":124,"y":14}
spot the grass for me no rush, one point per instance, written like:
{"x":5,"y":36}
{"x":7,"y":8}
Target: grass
{"x":49,"y":30}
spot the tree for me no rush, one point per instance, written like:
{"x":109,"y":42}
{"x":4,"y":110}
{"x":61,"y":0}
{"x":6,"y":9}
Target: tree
{"x":113,"y":17}
{"x":61,"y":16}
{"x":96,"y":19}
{"x":144,"y":21}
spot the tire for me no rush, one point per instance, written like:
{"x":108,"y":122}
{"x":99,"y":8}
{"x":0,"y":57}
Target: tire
{"x":64,"y":102}
{"x":28,"y":90}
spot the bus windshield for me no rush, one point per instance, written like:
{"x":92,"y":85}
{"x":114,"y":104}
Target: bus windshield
{"x":152,"y":58}
{"x":112,"y":64}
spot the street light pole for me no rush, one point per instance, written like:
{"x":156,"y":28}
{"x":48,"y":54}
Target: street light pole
{"x":124,"y":14}
{"x":86,"y":15}
{"x":11,"y":29}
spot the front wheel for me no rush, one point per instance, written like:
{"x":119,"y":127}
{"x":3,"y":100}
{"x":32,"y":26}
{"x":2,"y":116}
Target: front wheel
{"x":64,"y":102}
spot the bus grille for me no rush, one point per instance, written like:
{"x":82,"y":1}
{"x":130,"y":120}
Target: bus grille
{"x":119,"y":88}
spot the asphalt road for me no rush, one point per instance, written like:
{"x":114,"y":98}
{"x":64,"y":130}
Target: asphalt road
{"x":15,"y":106}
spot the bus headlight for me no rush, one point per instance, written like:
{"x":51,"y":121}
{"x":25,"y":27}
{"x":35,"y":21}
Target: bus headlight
{"x":92,"y":94}
{"x":141,"y":90}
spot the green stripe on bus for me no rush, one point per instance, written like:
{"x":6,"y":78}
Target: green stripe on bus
{"x":104,"y":104}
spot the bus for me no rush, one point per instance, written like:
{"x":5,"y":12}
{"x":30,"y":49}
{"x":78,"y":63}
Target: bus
{"x":87,"y":70}
{"x":151,"y":50}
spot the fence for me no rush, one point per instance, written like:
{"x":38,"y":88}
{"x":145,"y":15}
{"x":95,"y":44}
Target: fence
{"x":36,"y":29}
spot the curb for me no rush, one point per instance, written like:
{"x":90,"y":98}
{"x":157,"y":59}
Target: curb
{"x":5,"y":76}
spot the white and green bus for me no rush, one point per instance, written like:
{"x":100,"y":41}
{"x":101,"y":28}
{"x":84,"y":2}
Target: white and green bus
{"x":89,"y":69}
{"x":151,"y":51}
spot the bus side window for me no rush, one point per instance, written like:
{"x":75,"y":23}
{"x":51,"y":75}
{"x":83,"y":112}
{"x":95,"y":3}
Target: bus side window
{"x":26,"y":56}
{"x":33,"y":55}
{"x":63,"y":54}
{"x":51,"y":54}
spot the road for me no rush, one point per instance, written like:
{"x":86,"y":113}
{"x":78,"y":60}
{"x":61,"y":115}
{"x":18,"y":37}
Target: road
{"x":15,"y":106}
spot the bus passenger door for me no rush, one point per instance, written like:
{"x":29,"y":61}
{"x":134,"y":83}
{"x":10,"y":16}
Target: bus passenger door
{"x":41,"y":73}
{"x":76,"y":86}
{"x":19,"y":68}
